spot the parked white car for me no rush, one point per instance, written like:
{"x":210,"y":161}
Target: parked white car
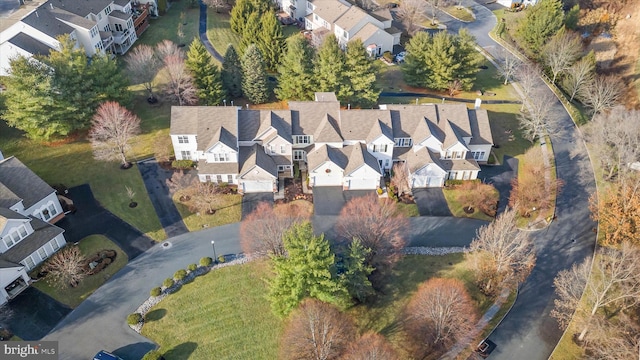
{"x":400,"y":57}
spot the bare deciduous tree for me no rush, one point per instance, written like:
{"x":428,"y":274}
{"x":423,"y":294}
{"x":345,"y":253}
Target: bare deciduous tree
{"x":483,"y":197}
{"x":111,"y":131}
{"x":179,"y":181}
{"x":371,"y":346}
{"x":261,"y":231}
{"x":204,"y":196}
{"x":216,"y":4}
{"x":434,"y":4}
{"x":579,"y":75}
{"x":179,"y":82}
{"x":617,"y":210}
{"x":561,"y":52}
{"x":411,"y":13}
{"x":501,"y":255}
{"x":378,"y":225}
{"x":602,"y":93}
{"x":65,"y":268}
{"x":528,"y":76}
{"x":316,"y":331}
{"x":440,"y":313}
{"x":454,"y":87}
{"x":509,"y":67}
{"x":400,"y":178}
{"x":613,"y":338}
{"x":614,"y":284}
{"x":167,"y":48}
{"x":142,"y":67}
{"x":538,"y":117}
{"x":613,"y":138}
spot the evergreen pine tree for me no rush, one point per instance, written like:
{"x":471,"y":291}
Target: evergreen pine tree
{"x":356,"y":271}
{"x":205,"y":74}
{"x":540,"y":23}
{"x":309,"y":270}
{"x":468,"y":58}
{"x":295,"y":81}
{"x":440,"y":59}
{"x":414,"y":70}
{"x":270,"y":40}
{"x":262,"y":6}
{"x":231,"y":73}
{"x":251,"y":32}
{"x":254,"y":76}
{"x":361,"y":76}
{"x":240,"y":14}
{"x":330,"y":68}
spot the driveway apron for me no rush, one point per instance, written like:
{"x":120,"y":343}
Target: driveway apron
{"x":500,"y":177}
{"x":431,"y":202}
{"x":251,"y":200}
{"x":155,"y":178}
{"x":33,"y":314}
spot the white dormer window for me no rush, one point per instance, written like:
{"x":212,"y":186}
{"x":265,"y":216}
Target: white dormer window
{"x":283,"y":149}
{"x":222,"y":157}
{"x":403,"y":142}
{"x":15,"y":236}
{"x":183,"y":139}
{"x":302,"y":139}
{"x":379,"y":148}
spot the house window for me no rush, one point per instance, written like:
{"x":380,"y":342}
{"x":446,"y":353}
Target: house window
{"x":186,"y":155}
{"x":315,"y":17}
{"x":302,"y":139}
{"x":23,"y":232}
{"x":99,"y":16}
{"x":298,"y":155}
{"x":309,"y":6}
{"x":118,"y":27}
{"x":107,"y":11}
{"x":54,"y":245}
{"x":129,"y":24}
{"x":478,"y":155}
{"x":218,"y":179}
{"x":386,"y":163}
{"x":283,"y":149}
{"x":220,"y":157}
{"x":345,"y":34}
{"x":42,"y":253}
{"x":403,"y":142}
{"x":452,"y":175}
{"x":207,"y":178}
{"x":281,"y":167}
{"x":230,"y":179}
{"x":183,"y":139}
{"x":52,"y":209}
{"x":28,"y":262}
{"x":448,"y":155}
{"x":458,"y":154}
{"x":380,"y":148}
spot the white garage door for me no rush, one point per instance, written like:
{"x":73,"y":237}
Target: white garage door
{"x":419,"y":181}
{"x":257,"y":186}
{"x":434,"y":181}
{"x":327,"y":181}
{"x":363,"y":184}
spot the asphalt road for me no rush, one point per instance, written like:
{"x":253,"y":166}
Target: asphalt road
{"x":528,"y":330}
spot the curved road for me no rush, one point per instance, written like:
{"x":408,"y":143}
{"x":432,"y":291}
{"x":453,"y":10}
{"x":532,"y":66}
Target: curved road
{"x":528,"y":330}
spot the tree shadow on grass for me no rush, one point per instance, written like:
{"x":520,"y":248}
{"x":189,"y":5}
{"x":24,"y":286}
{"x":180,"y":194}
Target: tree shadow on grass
{"x":182,"y":351}
{"x":155,"y":315}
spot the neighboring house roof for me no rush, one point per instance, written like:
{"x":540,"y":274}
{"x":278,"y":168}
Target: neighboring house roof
{"x":366,"y":125}
{"x":30,"y":44}
{"x":382,"y":15}
{"x":251,"y":156}
{"x":46,"y":22}
{"x":256,"y":125}
{"x":328,"y":130}
{"x":357,"y":156}
{"x":464,"y":164}
{"x":480,"y":127}
{"x":366,"y":32}
{"x":120,"y":15}
{"x":351,"y":18}
{"x":43,"y":233}
{"x":418,"y":159}
{"x":325,"y":96}
{"x":393,"y":30}
{"x":7,"y":214}
{"x":4,"y":264}
{"x":329,"y":10}
{"x":7,"y":197}
{"x":121,"y":2}
{"x":65,"y":15}
{"x":19,"y":181}
{"x":214,"y":168}
{"x":83,"y":7}
{"x":324,"y":153}
{"x":208,"y":124}
{"x":308,"y":116}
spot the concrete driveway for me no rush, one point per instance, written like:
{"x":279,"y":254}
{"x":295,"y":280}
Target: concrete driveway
{"x":431,"y":202}
{"x":155,"y":178}
{"x":251,"y":200}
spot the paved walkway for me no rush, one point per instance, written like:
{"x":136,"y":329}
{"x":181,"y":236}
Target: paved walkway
{"x":155,"y":178}
{"x":202,"y":32}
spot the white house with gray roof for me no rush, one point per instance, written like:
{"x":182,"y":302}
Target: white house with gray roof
{"x":28,"y":209}
{"x":98,"y":26}
{"x":348,"y":148}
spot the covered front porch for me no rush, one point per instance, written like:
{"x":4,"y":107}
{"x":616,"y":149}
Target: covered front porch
{"x":14,"y":281}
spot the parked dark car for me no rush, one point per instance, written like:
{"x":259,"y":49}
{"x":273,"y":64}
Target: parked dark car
{"x":105,"y":355}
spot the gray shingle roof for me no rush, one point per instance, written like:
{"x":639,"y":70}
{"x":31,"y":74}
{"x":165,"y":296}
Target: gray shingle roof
{"x":366,"y":32}
{"x":120,"y":15}
{"x":81,"y":7}
{"x":308,"y":116}
{"x":251,"y":156}
{"x":20,"y":181}
{"x":7,"y":214}
{"x":43,"y":233}
{"x":418,"y":159}
{"x":480,"y":127}
{"x":365,"y":125}
{"x":216,"y":168}
{"x":464,"y":164}
{"x":411,"y":121}
{"x":325,"y":96}
{"x":328,"y":130}
{"x":210,"y":123}
{"x":351,"y":18}
{"x":29,"y":44}
{"x":7,"y":197}
{"x":4,"y":264}
{"x":357,"y":155}
{"x":220,"y":134}
{"x":121,"y":2}
{"x":254,"y":124}
{"x":329,"y":10}
{"x":382,"y":15}
{"x":46,"y":22}
{"x":323,"y":153}
{"x":453,"y":135}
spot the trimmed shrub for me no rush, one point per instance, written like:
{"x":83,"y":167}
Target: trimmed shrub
{"x":221,"y":259}
{"x":182,"y":164}
{"x":152,"y":355}
{"x":134,"y":319}
{"x":192,"y":267}
{"x":387,"y":55}
{"x":180,"y":274}
{"x":206,"y":261}
{"x":379,"y":191}
{"x":168,"y":282}
{"x":156,"y":291}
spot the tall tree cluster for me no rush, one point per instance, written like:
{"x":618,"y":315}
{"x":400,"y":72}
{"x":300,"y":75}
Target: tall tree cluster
{"x":436,"y":61}
{"x":256,"y":23}
{"x":206,"y":74}
{"x":54,"y":95}
{"x":540,"y":23}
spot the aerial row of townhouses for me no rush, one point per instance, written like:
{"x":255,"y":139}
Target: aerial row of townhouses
{"x":28,"y":209}
{"x":98,"y":26}
{"x":346,"y":21}
{"x":350,"y":148}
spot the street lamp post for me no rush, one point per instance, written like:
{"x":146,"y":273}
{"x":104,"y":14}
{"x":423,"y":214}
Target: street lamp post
{"x":215,"y":258}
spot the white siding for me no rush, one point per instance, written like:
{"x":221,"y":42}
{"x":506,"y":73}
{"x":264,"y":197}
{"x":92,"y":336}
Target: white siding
{"x":191,"y":146}
{"x":320,"y":176}
{"x":218,"y":149}
{"x":386,"y":156}
{"x":38,"y":208}
{"x":362,"y":178}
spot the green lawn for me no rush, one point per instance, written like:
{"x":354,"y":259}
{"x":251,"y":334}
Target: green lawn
{"x":230,"y":318}
{"x":408,"y":210}
{"x":72,"y":164}
{"x":460,"y":13}
{"x":455,"y":206}
{"x":89,"y":246}
{"x":228,"y":210}
{"x":219,"y":31}
{"x":505,"y":130}
{"x":166,"y":26}
{"x":227,"y":317}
